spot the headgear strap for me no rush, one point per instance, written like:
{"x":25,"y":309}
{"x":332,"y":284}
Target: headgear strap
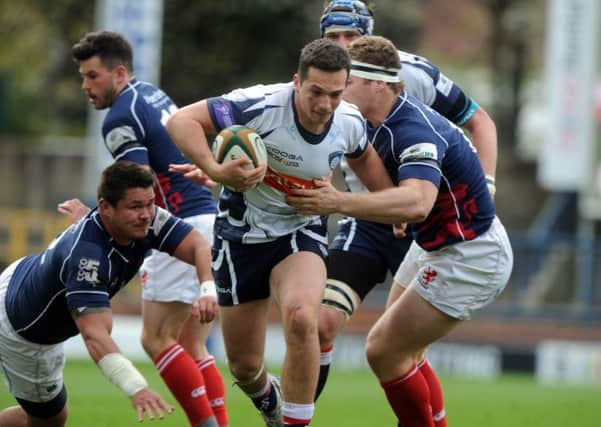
{"x":375,"y":72}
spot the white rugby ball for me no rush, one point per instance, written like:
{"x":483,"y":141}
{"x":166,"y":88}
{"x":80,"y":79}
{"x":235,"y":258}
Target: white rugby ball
{"x":237,"y":141}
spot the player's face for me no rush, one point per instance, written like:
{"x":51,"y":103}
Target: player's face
{"x":98,"y":82}
{"x":342,"y":38}
{"x":318,"y":96}
{"x":131,"y":218}
{"x":359,"y":92}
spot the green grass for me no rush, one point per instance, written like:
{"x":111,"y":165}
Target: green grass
{"x":351,"y":399}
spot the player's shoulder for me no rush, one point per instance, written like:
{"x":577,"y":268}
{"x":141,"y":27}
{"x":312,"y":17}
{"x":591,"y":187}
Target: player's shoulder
{"x":347,"y":112}
{"x":259,"y":92}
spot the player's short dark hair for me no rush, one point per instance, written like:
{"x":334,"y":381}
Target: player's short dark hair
{"x":112,"y":48}
{"x":325,"y":55}
{"x":119,"y":177}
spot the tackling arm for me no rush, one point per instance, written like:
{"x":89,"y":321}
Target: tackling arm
{"x":411,"y":201}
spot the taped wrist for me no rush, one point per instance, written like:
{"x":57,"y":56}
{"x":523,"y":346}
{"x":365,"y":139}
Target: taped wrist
{"x":208,"y":288}
{"x":121,"y":372}
{"x":491,"y":185}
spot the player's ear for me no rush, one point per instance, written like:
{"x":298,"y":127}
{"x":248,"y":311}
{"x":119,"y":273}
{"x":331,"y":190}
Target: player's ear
{"x":122,"y":73}
{"x":296,"y":80}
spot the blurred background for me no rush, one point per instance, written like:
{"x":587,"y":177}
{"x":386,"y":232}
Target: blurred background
{"x":533,"y":65}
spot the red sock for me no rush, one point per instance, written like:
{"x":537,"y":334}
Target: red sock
{"x":409,"y":398}
{"x":436,"y":395}
{"x":215,"y":388}
{"x":186,"y":383}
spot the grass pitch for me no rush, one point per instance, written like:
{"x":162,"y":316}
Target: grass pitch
{"x":351,"y":399}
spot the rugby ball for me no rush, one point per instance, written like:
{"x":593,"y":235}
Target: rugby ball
{"x":237,"y":141}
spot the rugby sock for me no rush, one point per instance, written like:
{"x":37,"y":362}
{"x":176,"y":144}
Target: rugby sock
{"x":215,"y":389}
{"x":180,"y":373}
{"x":266,"y":399}
{"x":297,"y":414}
{"x":436,"y":395}
{"x":325,"y":360}
{"x":409,"y":398}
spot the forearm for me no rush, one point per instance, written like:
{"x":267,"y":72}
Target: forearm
{"x":390,"y":206}
{"x":190,"y":138}
{"x":483,"y":134}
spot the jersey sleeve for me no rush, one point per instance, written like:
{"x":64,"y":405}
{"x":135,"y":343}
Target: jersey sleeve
{"x":426,"y":82}
{"x":168,"y":231}
{"x":238,"y":107}
{"x":357,"y":131}
{"x":124,"y":135}
{"x":85,"y":277}
{"x":420,"y":156}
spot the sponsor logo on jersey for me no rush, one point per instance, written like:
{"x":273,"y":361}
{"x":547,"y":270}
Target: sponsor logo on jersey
{"x":88,"y":270}
{"x":419,"y":151}
{"x":289,"y":159}
{"x":119,"y":136}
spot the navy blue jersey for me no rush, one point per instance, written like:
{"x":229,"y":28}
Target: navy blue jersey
{"x":82,"y":268}
{"x":416,"y":142}
{"x":134,"y":129}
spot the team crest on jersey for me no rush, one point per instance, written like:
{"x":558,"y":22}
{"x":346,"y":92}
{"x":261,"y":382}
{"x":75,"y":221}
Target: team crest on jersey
{"x":419,"y":151}
{"x":119,"y":136}
{"x":334,"y":159}
{"x":88,"y":270}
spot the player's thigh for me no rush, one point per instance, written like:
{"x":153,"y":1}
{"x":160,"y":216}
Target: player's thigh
{"x":299,"y":279}
{"x":33,"y":373}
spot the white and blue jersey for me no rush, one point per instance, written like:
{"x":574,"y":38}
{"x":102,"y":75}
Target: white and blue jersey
{"x":134,"y":129}
{"x":416,"y":142}
{"x":81,"y":269}
{"x":295,"y":158}
{"x":424,"y":80}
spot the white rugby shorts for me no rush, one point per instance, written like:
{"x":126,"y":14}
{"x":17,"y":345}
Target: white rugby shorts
{"x":32,"y":372}
{"x":166,"y":279}
{"x":463,"y":277}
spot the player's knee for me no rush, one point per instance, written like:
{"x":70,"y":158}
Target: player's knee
{"x":153,"y":345}
{"x":245,"y":370}
{"x":300,"y":321}
{"x":340,"y":296}
{"x":331,"y":321}
{"x":375,"y":350}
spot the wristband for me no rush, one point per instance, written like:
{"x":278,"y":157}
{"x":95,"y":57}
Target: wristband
{"x":121,"y":372}
{"x":208,"y":288}
{"x":491,"y":185}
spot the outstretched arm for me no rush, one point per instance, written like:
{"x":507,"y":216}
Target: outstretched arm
{"x":95,"y":327}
